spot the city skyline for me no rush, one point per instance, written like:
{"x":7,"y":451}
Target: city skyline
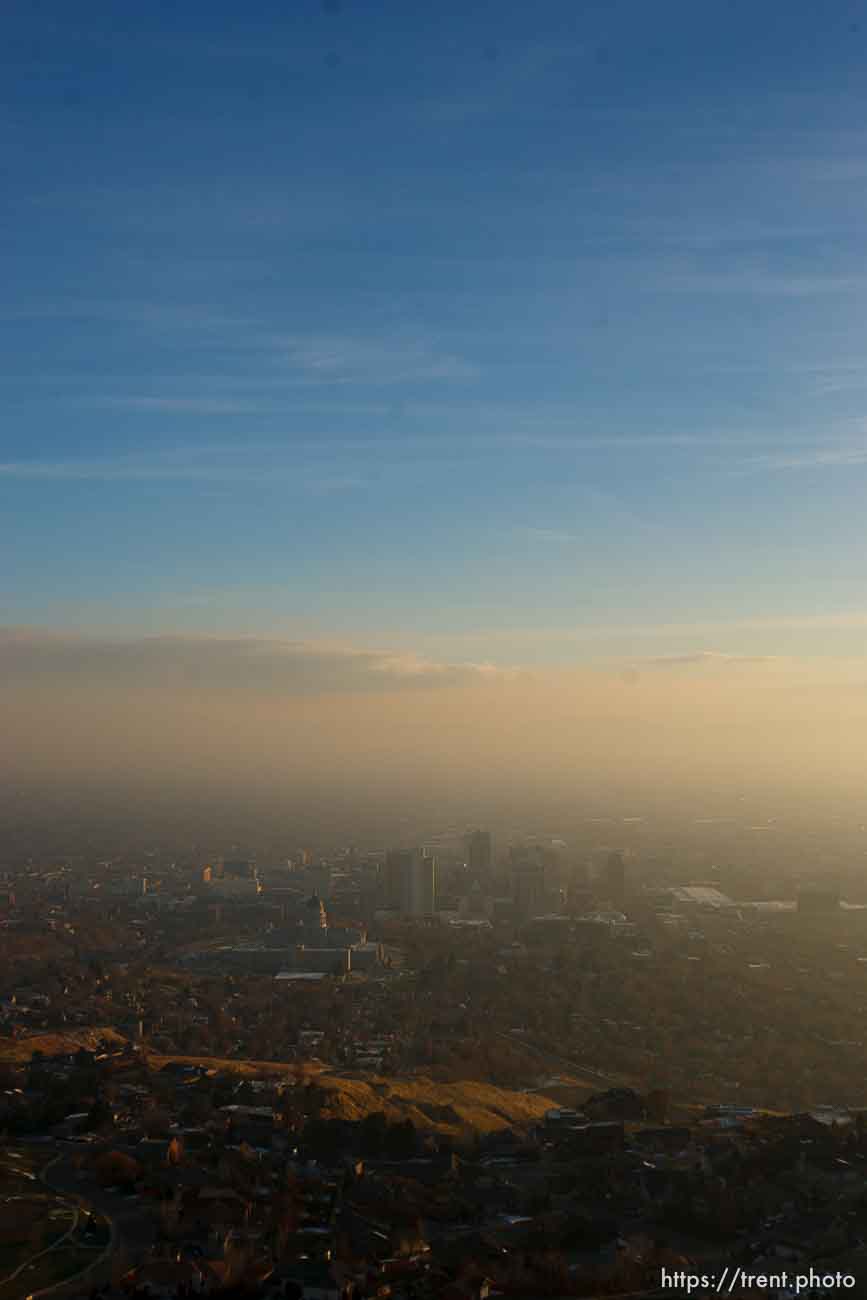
{"x":433,"y":649}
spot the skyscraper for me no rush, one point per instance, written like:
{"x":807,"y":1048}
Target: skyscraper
{"x":614,"y":878}
{"x":479,"y":854}
{"x":410,"y":881}
{"x":420,"y":898}
{"x":528,"y":886}
{"x":397,"y":864}
{"x":237,"y":869}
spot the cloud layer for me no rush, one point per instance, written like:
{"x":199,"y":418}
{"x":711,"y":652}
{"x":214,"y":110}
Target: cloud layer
{"x":32,"y":658}
{"x":252,"y":714}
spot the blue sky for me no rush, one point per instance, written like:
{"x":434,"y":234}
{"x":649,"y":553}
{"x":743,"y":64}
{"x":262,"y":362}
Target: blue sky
{"x":519,"y":333}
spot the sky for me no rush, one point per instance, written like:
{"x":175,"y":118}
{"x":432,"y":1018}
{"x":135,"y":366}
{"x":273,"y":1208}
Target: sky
{"x":461,"y":339}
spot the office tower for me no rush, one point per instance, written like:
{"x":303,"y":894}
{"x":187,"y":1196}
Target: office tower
{"x":528,"y":886}
{"x":410,"y":881}
{"x":397,"y":864}
{"x":580,"y":875}
{"x":815,"y":899}
{"x":238,"y":869}
{"x":479,"y":854}
{"x":614,"y":878}
{"x":421,"y":886}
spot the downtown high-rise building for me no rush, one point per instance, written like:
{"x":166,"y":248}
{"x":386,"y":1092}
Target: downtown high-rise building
{"x":479,"y":855}
{"x":614,"y":878}
{"x":410,"y":882}
{"x":528,"y":886}
{"x":421,"y":890}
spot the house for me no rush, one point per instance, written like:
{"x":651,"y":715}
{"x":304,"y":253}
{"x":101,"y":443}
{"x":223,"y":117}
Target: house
{"x":314,"y":1277}
{"x":812,"y":1235}
{"x":476,"y":1288}
{"x":672,"y":1140}
{"x":600,"y":1138}
{"x":616,"y":1103}
{"x":168,"y":1277}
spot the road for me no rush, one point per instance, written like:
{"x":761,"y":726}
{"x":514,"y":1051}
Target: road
{"x":585,"y":1074}
{"x":130,"y":1223}
{"x":72,"y":1206}
{"x":29,"y":1263}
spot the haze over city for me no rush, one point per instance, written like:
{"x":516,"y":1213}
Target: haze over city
{"x":474,"y":391}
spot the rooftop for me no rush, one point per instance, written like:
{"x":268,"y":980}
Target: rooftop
{"x":701,"y":896}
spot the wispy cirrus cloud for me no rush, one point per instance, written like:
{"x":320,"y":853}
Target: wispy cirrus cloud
{"x":553,"y":535}
{"x":185,"y":405}
{"x":854,"y":618}
{"x":757,"y":281}
{"x":330,"y":359}
{"x":205,"y":464}
{"x":701,"y":657}
{"x":810,"y":458}
{"x":309,"y":359}
{"x":128,"y":469}
{"x":322,"y":463}
{"x":589,"y":633}
{"x":160,"y":316}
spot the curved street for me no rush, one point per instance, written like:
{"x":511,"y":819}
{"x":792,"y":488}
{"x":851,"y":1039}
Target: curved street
{"x":55,"y":1245}
{"x":131,"y":1228}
